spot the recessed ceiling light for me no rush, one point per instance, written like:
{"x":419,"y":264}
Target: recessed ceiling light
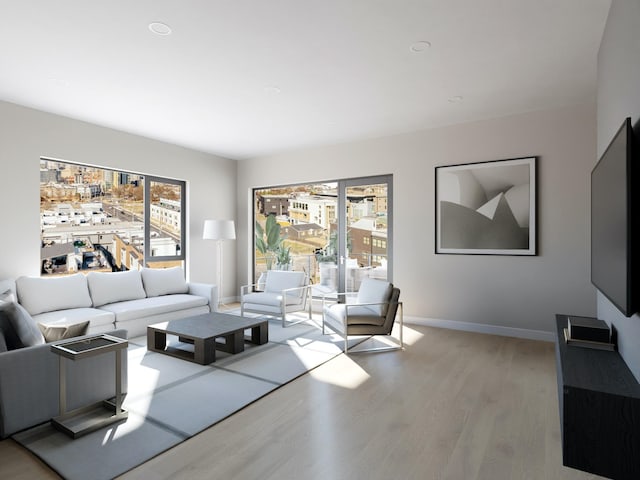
{"x":272,"y":90}
{"x":61,"y":82}
{"x":456,"y":99}
{"x":160,"y":28}
{"x":420,"y":46}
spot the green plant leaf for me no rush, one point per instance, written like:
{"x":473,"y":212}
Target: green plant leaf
{"x":261,"y":245}
{"x":272,"y":229}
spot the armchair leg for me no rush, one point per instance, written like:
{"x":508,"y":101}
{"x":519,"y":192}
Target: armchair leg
{"x":307,"y":306}
{"x":286,"y":323}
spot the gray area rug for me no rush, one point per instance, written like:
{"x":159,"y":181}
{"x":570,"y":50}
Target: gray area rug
{"x":170,"y":400}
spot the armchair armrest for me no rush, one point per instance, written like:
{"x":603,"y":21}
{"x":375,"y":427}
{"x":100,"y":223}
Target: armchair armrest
{"x":333,"y":297}
{"x":244,"y":289}
{"x":375,"y":304}
{"x":293,"y":289}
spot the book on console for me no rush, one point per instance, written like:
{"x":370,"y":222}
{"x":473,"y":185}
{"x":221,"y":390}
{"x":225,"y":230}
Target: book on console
{"x":588,"y":328}
{"x":587,"y":343}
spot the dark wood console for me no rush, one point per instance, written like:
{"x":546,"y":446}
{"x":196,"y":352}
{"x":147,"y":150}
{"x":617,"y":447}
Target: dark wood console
{"x":599,"y":410}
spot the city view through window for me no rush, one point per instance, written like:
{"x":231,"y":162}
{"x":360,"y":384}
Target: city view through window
{"x":94,"y":219}
{"x":296,"y":228}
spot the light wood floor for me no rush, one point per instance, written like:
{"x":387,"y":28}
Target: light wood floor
{"x":453,"y":405}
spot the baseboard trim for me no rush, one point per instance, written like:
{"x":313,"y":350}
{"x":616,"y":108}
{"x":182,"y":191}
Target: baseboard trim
{"x":482,"y":328}
{"x":228,"y":300}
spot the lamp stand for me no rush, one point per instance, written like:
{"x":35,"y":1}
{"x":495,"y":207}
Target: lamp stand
{"x":219,"y":230}
{"x":220,"y":302}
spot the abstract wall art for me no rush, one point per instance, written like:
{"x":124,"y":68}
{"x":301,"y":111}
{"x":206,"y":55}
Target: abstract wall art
{"x":487,"y":208}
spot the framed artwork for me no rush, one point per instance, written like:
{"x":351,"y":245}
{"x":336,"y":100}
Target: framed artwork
{"x":487,"y":208}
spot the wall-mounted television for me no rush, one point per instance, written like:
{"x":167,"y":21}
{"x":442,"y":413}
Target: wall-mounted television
{"x":615,"y":245}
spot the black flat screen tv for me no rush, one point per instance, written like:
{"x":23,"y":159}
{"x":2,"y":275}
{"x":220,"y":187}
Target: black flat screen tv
{"x":614,"y":222}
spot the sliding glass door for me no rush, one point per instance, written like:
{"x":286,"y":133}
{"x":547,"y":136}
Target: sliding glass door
{"x":338,"y":231}
{"x":365,"y":237}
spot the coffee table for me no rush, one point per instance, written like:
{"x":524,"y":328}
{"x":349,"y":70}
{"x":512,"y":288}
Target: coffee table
{"x":208,"y":332}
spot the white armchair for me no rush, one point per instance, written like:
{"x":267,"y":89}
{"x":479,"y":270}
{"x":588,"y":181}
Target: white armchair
{"x":284,"y":292}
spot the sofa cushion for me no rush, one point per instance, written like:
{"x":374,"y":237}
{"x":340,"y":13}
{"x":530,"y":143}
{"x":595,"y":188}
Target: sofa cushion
{"x":269,"y":298}
{"x":39,"y":295}
{"x":357,"y":314}
{"x":111,"y":287}
{"x":164,"y":281}
{"x":53,"y":333}
{"x":146,"y":307}
{"x":96,"y":317}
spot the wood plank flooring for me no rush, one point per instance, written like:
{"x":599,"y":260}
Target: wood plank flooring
{"x":452,"y":406}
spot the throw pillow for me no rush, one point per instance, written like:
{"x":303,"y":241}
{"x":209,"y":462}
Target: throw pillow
{"x":9,"y":334}
{"x":53,"y":333}
{"x":7,"y":296}
{"x":164,"y":281}
{"x":24,"y":325}
{"x":3,"y":342}
{"x":7,"y":290}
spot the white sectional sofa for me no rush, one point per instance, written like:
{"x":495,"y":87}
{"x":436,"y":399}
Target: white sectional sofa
{"x":120,"y":304}
{"x":119,"y":300}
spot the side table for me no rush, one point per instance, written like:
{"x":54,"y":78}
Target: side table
{"x":83,"y":420}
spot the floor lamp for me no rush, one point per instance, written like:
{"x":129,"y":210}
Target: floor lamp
{"x":219,"y":230}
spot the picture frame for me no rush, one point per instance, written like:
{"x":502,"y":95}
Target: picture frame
{"x":487,"y":208}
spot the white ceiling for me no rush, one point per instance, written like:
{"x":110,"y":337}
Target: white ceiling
{"x":246,"y":78}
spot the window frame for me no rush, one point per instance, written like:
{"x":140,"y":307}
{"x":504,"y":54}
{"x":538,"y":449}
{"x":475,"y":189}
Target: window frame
{"x":340,"y":217}
{"x":148,"y":258}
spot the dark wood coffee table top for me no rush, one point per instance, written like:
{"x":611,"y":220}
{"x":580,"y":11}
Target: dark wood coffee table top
{"x":207,"y":325}
{"x":208,"y":332}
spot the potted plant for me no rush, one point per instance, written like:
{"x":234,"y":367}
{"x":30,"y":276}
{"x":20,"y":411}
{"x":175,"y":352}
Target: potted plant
{"x":268,"y":239}
{"x":283,"y":258}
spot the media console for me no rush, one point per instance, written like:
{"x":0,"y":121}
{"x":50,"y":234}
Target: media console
{"x":599,"y":410}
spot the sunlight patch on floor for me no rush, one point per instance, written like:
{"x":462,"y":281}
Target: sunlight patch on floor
{"x":410,"y":335}
{"x":121,"y":429}
{"x":342,"y":372}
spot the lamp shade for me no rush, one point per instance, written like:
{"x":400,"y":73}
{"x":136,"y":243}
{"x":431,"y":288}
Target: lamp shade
{"x":219,"y":230}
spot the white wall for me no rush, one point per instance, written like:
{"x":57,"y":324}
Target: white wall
{"x":618,"y":98}
{"x":27,"y":134}
{"x":517,"y":292}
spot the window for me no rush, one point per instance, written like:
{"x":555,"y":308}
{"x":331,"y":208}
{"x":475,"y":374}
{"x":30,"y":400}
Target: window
{"x":93,"y":218}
